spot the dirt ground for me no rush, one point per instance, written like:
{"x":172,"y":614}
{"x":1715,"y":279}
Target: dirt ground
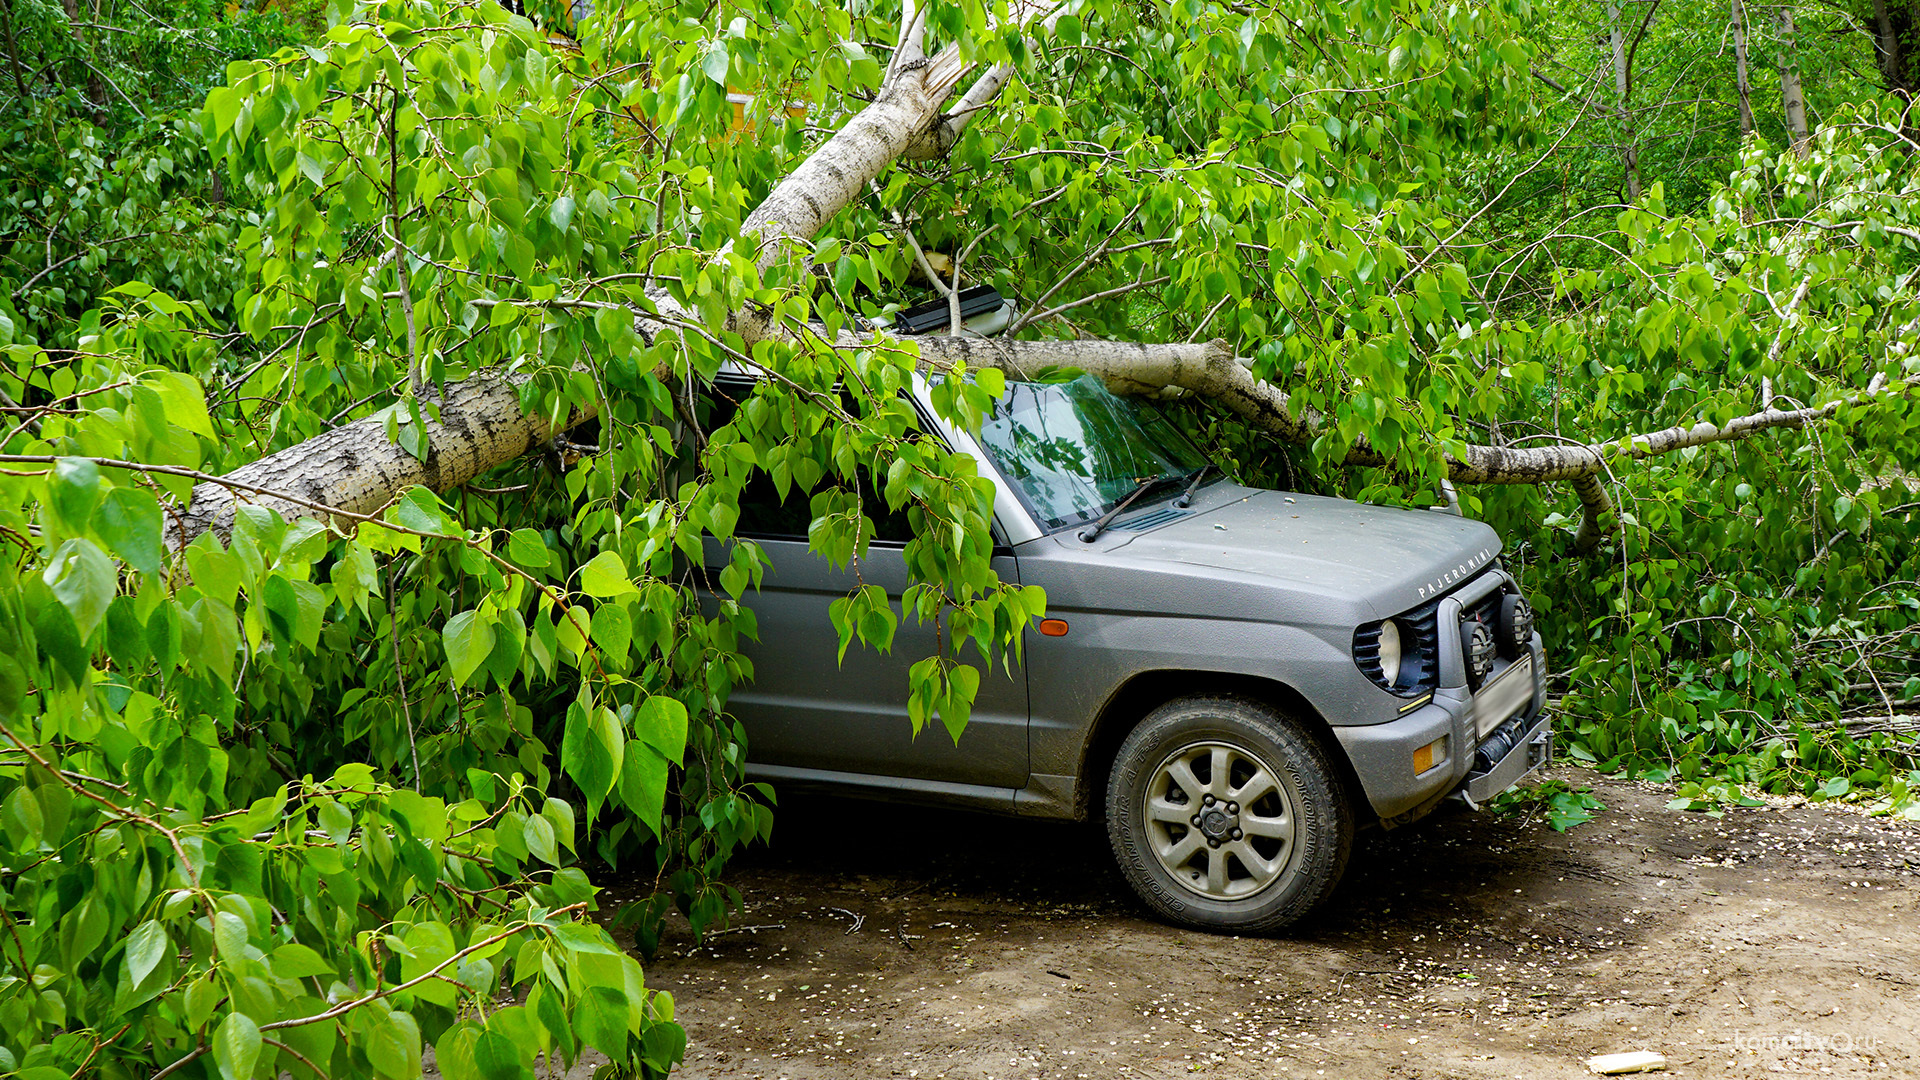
{"x":880,"y":941}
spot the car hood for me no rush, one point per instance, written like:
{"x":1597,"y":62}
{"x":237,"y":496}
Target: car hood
{"x":1393,"y":558}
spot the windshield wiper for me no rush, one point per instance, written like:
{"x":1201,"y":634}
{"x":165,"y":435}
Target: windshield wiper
{"x":1186,"y":496}
{"x":1092,"y":532}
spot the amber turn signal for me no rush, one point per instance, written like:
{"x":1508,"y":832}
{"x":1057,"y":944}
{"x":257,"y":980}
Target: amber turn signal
{"x":1430,"y":755}
{"x":1053,"y":627}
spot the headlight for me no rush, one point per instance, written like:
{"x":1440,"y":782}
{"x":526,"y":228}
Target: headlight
{"x":1390,"y":652}
{"x":1400,"y":654}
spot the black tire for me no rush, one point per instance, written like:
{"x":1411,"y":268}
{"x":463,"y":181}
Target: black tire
{"x":1254,"y":891}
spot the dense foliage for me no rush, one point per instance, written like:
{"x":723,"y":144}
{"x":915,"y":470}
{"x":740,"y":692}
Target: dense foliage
{"x":310,"y":797}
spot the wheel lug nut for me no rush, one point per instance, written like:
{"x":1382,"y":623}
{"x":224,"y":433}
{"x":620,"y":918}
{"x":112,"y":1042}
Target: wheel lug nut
{"x":1196,"y":821}
{"x":1207,"y":799}
{"x":1236,"y":834}
{"x":1233,"y":808}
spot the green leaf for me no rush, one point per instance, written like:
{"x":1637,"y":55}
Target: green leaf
{"x":643,"y":785}
{"x":21,"y":817}
{"x":497,"y":1058}
{"x":606,"y":576}
{"x":393,"y":1046}
{"x":312,"y":170}
{"x":145,"y":946}
{"x":561,"y":814}
{"x":315,"y":1042}
{"x":236,"y":1046}
{"x":468,"y":638}
{"x":282,"y":607}
{"x":229,"y":936}
{"x":420,"y":509}
{"x":661,"y":722}
{"x":130,"y":522}
{"x":454,"y":1053}
{"x":601,"y":1019}
{"x":540,"y":840}
{"x":59,"y":638}
{"x":431,"y":945}
{"x":526,"y":548}
{"x":590,"y":753}
{"x":185,"y":403}
{"x":963,"y":682}
{"x":296,"y":961}
{"x":203,"y":996}
{"x":613,"y":632}
{"x":84,"y":582}
{"x":216,"y":572}
{"x":75,"y":491}
{"x":714,"y":64}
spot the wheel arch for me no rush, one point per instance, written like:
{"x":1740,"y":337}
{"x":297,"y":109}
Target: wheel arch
{"x":1141,"y":693}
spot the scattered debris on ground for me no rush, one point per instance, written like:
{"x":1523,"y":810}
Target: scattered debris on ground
{"x":897,"y":942}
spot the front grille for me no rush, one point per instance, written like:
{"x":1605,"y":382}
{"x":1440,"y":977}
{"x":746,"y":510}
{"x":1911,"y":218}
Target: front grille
{"x":1486,"y":610}
{"x":1420,"y":642}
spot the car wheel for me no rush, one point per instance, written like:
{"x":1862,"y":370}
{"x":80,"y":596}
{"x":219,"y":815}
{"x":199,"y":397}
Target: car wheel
{"x":1226,"y":816}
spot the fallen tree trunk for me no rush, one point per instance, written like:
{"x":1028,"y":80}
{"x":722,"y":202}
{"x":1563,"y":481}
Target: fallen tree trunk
{"x":1212,"y":371}
{"x":358,"y":469}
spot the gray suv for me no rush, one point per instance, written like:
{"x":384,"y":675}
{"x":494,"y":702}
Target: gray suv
{"x":1233,"y":678}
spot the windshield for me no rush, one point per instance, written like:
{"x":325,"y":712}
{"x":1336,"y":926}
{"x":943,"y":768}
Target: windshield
{"x":1074,"y":450}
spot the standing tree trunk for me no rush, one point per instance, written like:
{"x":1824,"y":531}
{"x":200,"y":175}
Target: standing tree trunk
{"x":1745,"y":87}
{"x":1886,"y":46}
{"x":1623,"y":89}
{"x":96,"y":85}
{"x":1792,"y":100}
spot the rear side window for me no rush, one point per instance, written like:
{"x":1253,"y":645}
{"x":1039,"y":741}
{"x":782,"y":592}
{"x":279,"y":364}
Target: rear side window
{"x":764,"y":515}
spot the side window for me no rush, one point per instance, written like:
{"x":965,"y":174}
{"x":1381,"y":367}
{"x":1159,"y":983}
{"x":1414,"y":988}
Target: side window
{"x":765,"y":516}
{"x":889,"y":526}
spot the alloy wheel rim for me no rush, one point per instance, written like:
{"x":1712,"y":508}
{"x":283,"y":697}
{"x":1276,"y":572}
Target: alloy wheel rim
{"x":1218,"y":820}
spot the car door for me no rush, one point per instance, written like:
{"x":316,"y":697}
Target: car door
{"x":806,"y":709}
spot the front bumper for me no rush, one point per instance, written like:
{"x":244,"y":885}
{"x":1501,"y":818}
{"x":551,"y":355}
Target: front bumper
{"x":1383,"y":754}
{"x":1530,"y":752}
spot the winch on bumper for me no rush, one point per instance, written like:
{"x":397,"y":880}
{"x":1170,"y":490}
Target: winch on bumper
{"x":1473,"y":744}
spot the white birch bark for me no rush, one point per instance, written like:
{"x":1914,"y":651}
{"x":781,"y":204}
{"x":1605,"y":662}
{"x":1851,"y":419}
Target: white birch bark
{"x":1792,"y":100}
{"x":356,"y":468}
{"x":1741,"y":84}
{"x":1622,"y":89}
{"x":1212,"y":371}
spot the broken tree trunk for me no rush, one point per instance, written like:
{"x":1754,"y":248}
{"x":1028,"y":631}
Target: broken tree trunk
{"x":358,"y":469}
